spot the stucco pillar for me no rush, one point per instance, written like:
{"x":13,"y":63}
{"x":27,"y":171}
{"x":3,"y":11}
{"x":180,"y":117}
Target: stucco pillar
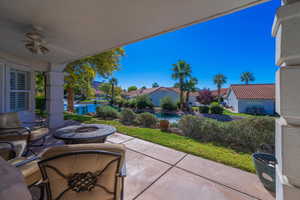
{"x":54,"y":96}
{"x":286,"y":30}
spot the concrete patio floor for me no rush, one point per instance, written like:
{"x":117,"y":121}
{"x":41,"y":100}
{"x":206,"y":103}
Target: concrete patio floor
{"x":155,"y":172}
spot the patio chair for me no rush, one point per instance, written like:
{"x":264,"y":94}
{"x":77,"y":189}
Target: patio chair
{"x":11,"y":129}
{"x":30,"y":170}
{"x":84,"y":172}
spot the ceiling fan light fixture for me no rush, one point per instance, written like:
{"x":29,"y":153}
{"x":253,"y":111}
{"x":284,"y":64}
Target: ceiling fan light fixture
{"x":34,"y":42}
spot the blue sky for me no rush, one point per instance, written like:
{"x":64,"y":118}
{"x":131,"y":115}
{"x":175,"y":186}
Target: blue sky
{"x":230,"y":45}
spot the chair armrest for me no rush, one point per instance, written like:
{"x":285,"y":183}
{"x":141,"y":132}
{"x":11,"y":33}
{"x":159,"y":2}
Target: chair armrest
{"x":7,"y":142}
{"x":28,"y":160}
{"x":123,"y":171}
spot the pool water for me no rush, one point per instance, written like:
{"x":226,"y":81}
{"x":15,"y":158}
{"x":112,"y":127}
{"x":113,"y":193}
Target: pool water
{"x":84,"y":108}
{"x":172,"y":118}
{"x":91,"y":108}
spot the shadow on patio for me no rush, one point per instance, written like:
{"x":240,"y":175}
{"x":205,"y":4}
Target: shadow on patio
{"x":155,"y":172}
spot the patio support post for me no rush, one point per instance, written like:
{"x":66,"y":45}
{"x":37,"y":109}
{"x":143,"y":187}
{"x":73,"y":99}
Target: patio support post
{"x":55,"y":95}
{"x":286,"y":30}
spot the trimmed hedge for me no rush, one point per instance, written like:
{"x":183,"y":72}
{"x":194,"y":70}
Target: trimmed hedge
{"x":244,"y":135}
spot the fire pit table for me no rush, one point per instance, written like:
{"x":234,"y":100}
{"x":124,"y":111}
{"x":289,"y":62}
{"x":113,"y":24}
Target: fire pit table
{"x":85,"y":133}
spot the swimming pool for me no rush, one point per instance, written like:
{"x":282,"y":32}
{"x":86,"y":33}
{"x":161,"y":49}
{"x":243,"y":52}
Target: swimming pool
{"x":91,"y":108}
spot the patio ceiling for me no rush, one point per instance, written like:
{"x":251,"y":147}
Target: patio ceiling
{"x":76,"y":28}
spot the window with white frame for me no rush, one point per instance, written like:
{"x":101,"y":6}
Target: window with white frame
{"x":19,"y":90}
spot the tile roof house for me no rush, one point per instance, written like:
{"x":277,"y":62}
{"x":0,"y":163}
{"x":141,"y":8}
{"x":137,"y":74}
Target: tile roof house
{"x":223,"y":92}
{"x":242,"y":98}
{"x":156,"y":94}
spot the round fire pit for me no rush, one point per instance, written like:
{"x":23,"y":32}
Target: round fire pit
{"x":85,"y":133}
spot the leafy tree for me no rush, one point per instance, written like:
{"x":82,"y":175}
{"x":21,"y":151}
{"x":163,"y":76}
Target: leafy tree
{"x":219,"y":80}
{"x":40,"y":84}
{"x":144,"y":87}
{"x":205,"y":96}
{"x":247,"y":77}
{"x":181,"y":70}
{"x":155,"y":85}
{"x":132,"y":88}
{"x":80,"y":73}
{"x":113,"y":82}
{"x":190,"y":86}
{"x":106,"y":88}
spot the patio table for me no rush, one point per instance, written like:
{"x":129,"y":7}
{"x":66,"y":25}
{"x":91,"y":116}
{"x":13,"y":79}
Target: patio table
{"x":85,"y":133}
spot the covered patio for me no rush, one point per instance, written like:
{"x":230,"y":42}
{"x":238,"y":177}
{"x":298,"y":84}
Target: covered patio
{"x":158,"y":172}
{"x":76,"y":29}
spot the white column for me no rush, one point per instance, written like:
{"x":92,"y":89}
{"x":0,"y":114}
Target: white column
{"x":54,"y":97}
{"x":286,"y":29}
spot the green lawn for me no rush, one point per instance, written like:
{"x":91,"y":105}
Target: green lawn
{"x":227,"y":112}
{"x":180,"y":143}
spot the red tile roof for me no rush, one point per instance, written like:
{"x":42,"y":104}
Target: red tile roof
{"x":149,"y":90}
{"x":223,"y":92}
{"x":254,"y":91}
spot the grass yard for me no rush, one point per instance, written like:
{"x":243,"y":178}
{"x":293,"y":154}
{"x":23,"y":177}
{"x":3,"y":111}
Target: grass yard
{"x":206,"y":150}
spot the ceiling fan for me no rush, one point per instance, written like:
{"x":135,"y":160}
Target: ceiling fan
{"x":34,"y":41}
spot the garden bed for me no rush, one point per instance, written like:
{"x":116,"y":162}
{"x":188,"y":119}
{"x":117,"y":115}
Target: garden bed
{"x":206,"y":150}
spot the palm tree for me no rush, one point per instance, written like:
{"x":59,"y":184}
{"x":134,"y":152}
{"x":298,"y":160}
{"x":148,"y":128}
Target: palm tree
{"x":247,"y":77}
{"x":113,"y":82}
{"x":181,"y":70}
{"x":190,"y":86}
{"x":219,"y":80}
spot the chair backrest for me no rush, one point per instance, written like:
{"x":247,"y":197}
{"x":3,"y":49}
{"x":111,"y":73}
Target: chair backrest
{"x":9,"y":120}
{"x":82,"y":171}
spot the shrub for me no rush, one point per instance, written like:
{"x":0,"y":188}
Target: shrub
{"x":120,"y":101}
{"x":143,"y":101}
{"x":249,"y":133}
{"x":168,"y":104}
{"x":147,"y":120}
{"x":243,"y":135}
{"x":164,"y":125}
{"x":128,"y":117}
{"x":132,"y":103}
{"x":203,"y":109}
{"x":201,"y":128}
{"x":215,"y":108}
{"x":107,"y":112}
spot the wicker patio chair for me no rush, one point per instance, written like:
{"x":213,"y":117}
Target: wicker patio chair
{"x":11,"y":129}
{"x":84,"y":172}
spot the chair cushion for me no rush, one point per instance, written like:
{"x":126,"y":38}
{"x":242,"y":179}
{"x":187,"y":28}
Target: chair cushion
{"x":9,"y":120}
{"x":30,"y":171}
{"x":38,"y":133}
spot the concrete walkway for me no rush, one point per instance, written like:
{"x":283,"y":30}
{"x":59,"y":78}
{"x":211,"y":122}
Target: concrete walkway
{"x":155,"y":172}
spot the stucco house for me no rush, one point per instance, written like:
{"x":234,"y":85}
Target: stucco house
{"x":158,"y":93}
{"x":244,"y":98}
